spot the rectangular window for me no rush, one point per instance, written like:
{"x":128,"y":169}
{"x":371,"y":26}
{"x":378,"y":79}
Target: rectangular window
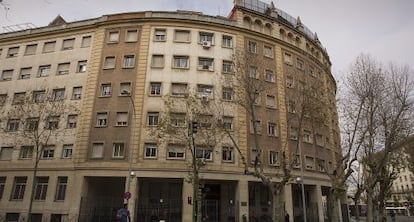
{"x":307,"y":136}
{"x":272,"y":129}
{"x":321,"y":165}
{"x":63,"y":68}
{"x":25,"y":73}
{"x":157,"y":61}
{"x":175,"y":151}
{"x":32,"y":124}
{"x":252,"y":47}
{"x":296,"y":161}
{"x":206,"y":37}
{"x":124,"y":87}
{"x":12,"y":217}
{"x":39,"y":96}
{"x":273,"y":158}
{"x":109,"y":62}
{"x":44,"y":70}
{"x":227,"y":154}
{"x":288,"y":58}
{"x":205,"y":121}
{"x":179,"y":89}
{"x":159,"y":35}
{"x":48,"y":152}
{"x":253,"y":72}
{"x":106,"y":89}
{"x":86,"y":41}
{"x":271,"y":101}
{"x":81,"y":66}
{"x":19,"y":98}
{"x":129,"y":61}
{"x":19,"y":188}
{"x":118,"y":150}
{"x":181,"y":62}
{"x":41,"y":188}
{"x":319,"y":140}
{"x":30,"y":49}
{"x":7,"y":75}
{"x":13,"y":125}
{"x":13,"y":52}
{"x":77,"y":92}
{"x":6,"y":153}
{"x":228,"y":123}
{"x":49,"y":46}
{"x":177,"y":119}
{"x":101,"y":119}
{"x":293,"y":134}
{"x":310,"y":165}
{"x":150,"y":150}
{"x":299,"y":64}
{"x":97,"y":150}
{"x":67,"y":150}
{"x":72,"y":121}
{"x":291,"y":107}
{"x":26,"y":152}
{"x":58,"y":94}
{"x":268,"y":51}
{"x":68,"y":44}
{"x":182,"y":36}
{"x":62,"y":183}
{"x":205,"y":91}
{"x":113,"y":37}
{"x":227,"y":41}
{"x":155,"y":89}
{"x":269,"y":76}
{"x":152,"y":118}
{"x":205,"y":64}
{"x":2,"y":185}
{"x":227,"y":67}
{"x":131,"y":35}
{"x":258,"y":125}
{"x":3,"y":99}
{"x":122,"y":119}
{"x":228,"y":94}
{"x":204,"y":153}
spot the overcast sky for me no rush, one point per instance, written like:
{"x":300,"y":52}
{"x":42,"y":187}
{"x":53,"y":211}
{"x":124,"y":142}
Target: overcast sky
{"x":382,"y":28}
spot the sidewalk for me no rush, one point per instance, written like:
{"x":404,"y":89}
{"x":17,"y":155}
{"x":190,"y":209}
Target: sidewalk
{"x":397,"y":219}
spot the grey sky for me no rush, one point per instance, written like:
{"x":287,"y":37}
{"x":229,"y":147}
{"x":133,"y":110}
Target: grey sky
{"x":382,"y":28}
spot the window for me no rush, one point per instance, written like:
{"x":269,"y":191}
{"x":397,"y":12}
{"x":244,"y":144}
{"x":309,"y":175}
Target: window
{"x":205,"y":121}
{"x":30,"y":49}
{"x":13,"y":125}
{"x":131,"y":35}
{"x":52,"y":122}
{"x":3,"y":98}
{"x":58,"y":94}
{"x":293,"y":134}
{"x":182,"y":36}
{"x":86,"y":41}
{"x":77,"y":92}
{"x":26,"y":152}
{"x":101,"y":119}
{"x":150,"y":150}
{"x":228,"y":94}
{"x":269,"y":76}
{"x":113,"y":37}
{"x":63,"y":68}
{"x":254,"y":156}
{"x":19,"y":98}
{"x":157,"y":61}
{"x":68,"y":44}
{"x":129,"y":61}
{"x":152,"y":118}
{"x":179,"y":89}
{"x":205,"y":64}
{"x":39,"y":96}
{"x":7,"y":75}
{"x":44,"y":71}
{"x":72,"y":121}
{"x":12,"y":217}
{"x":109,"y":62}
{"x":49,"y":46}
{"x":299,"y":64}
{"x":227,"y":41}
{"x":32,"y":124}
{"x":271,"y":101}
{"x":13,"y":52}
{"x":271,"y":129}
{"x":274,"y":158}
{"x":321,"y":165}
{"x":180,"y":62}
{"x":106,"y":89}
{"x":289,"y":82}
{"x":159,"y":35}
{"x":291,"y":107}
{"x":67,"y":150}
{"x":307,"y":136}
{"x":206,"y":37}
{"x":205,"y":91}
{"x":124,"y":87}
{"x":319,"y":140}
{"x":97,"y":150}
{"x":296,"y":161}
{"x":25,"y":73}
{"x":121,"y":118}
{"x":252,"y":46}
{"x":204,"y":153}
{"x":175,"y":151}
{"x":268,"y":51}
{"x":288,"y":58}
{"x":6,"y":153}
{"x":62,"y":183}
{"x":228,"y":123}
{"x":177,"y":119}
{"x":48,"y":152}
{"x":227,"y":67}
{"x":2,"y":185}
{"x":310,"y":165}
{"x":227,"y":154}
{"x":82,"y":66}
{"x":155,"y":89}
{"x":253,"y":72}
{"x":41,"y":188}
{"x":258,"y":125}
{"x":19,"y":187}
{"x":118,"y":150}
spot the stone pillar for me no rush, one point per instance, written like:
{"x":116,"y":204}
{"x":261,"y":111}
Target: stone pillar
{"x":288,"y":200}
{"x":242,"y":199}
{"x":316,"y":197}
{"x":187,"y":208}
{"x":134,"y":195}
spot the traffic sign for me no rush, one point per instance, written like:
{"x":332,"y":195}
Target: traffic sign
{"x":127,"y":195}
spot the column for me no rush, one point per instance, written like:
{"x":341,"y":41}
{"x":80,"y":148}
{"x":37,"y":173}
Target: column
{"x":242,"y":199}
{"x":187,"y":208}
{"x":288,"y":201}
{"x":134,"y":196}
{"x":318,"y":198}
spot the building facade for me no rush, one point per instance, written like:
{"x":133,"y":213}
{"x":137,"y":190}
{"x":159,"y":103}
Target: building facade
{"x":122,"y":75}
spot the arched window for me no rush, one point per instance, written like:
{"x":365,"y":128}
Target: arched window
{"x":268,"y":29}
{"x":257,"y":26}
{"x":282,"y":34}
{"x":247,"y":22}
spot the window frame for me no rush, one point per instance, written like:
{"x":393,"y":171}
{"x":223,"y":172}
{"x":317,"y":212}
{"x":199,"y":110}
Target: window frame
{"x":150,"y":151}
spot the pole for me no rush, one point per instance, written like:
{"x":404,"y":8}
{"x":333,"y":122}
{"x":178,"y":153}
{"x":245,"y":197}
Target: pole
{"x":195,"y":181}
{"x":302,"y":184}
{"x":130,"y":174}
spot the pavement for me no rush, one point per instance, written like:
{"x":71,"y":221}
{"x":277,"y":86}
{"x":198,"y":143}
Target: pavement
{"x":397,"y":219}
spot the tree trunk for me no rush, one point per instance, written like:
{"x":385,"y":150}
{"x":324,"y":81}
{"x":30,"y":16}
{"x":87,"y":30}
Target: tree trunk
{"x":278,"y":210}
{"x":370,"y":213}
{"x":333,"y":206}
{"x":356,"y":201}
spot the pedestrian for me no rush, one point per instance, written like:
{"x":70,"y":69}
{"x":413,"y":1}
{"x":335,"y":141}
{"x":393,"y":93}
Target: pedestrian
{"x":122,"y":215}
{"x":287,"y":217}
{"x":392,"y":214}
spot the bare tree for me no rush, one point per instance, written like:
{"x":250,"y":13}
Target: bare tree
{"x":33,"y":120}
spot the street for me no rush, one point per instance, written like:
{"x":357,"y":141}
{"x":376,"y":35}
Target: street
{"x":397,"y":219}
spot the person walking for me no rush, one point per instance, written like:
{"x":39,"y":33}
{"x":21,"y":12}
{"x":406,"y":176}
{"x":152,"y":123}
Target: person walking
{"x":287,"y":217}
{"x":122,"y":215}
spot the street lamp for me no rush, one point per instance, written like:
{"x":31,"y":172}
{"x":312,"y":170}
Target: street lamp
{"x":300,"y":179}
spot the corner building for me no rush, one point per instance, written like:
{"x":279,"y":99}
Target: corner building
{"x":119,"y":70}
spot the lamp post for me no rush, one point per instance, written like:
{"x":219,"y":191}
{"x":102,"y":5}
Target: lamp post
{"x":300,"y":179}
{"x":130,"y":172}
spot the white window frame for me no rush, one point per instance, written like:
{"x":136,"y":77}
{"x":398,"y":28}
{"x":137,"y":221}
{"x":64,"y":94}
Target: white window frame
{"x":67,"y":151}
{"x":150,"y":151}
{"x":118,"y":150}
{"x":274,"y":158}
{"x":128,"y":62}
{"x":227,"y":154}
{"x":101,"y":119}
{"x":177,"y":150}
{"x":153,"y":118}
